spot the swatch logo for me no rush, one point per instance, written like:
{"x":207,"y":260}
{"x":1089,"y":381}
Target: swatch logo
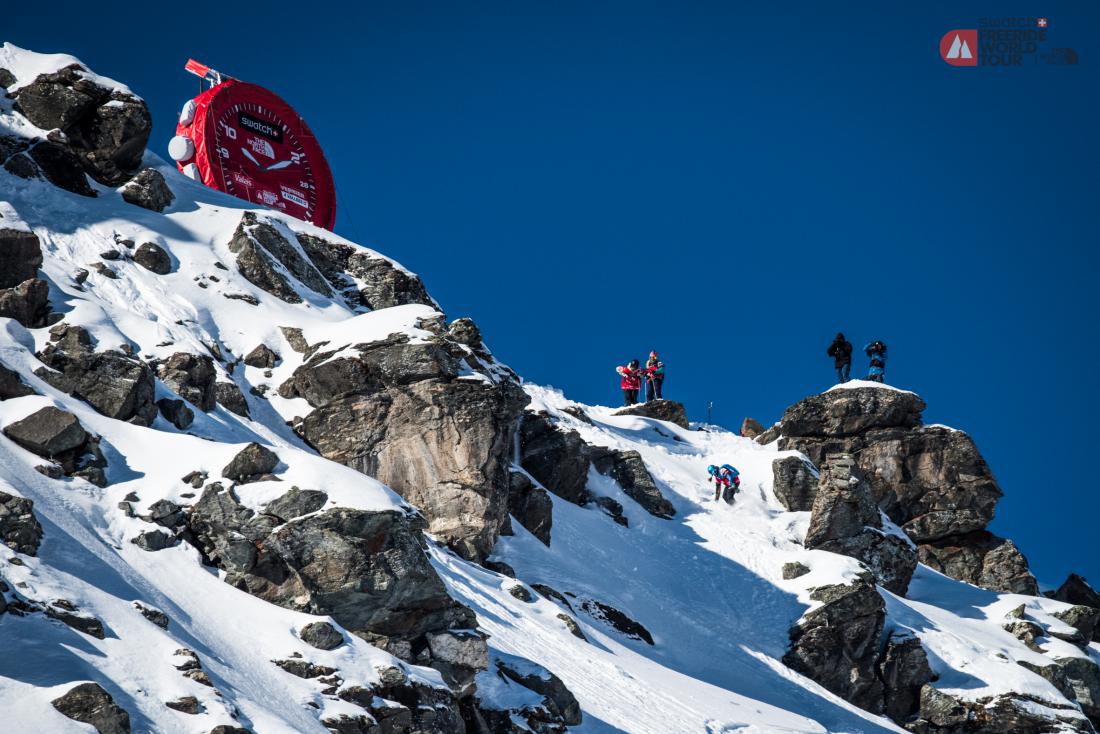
{"x":960,"y":47}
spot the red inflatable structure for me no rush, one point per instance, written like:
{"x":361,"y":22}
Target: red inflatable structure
{"x":244,"y":140}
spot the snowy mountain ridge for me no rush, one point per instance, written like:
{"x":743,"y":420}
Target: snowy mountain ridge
{"x":251,"y":479}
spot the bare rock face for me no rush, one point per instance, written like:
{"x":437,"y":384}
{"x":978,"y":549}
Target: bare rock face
{"x":930,"y":480}
{"x":11,"y":385}
{"x":558,"y":700}
{"x":983,"y":559}
{"x":397,"y":411}
{"x":795,"y":484}
{"x":230,"y":397}
{"x":531,"y":505}
{"x":261,"y":248}
{"x":88,"y":703}
{"x":557,"y":459}
{"x":22,"y":257}
{"x":904,"y":671}
{"x":837,"y":644}
{"x":19,"y":528}
{"x":629,"y":470}
{"x":943,"y":713}
{"x":106,"y":131}
{"x":662,"y":410}
{"x":846,"y":520}
{"x":27,"y":303}
{"x":364,"y":279}
{"x":192,"y":377}
{"x":148,"y":190}
{"x":1082,"y":675}
{"x":751,"y":428}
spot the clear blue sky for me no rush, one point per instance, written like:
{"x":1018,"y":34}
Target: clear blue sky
{"x":729,"y":185}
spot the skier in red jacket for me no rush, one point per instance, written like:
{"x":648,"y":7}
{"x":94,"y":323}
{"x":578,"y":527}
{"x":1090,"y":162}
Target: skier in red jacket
{"x":631,"y":382}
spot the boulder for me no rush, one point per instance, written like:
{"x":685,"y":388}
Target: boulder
{"x":296,"y":503}
{"x":230,"y":397}
{"x":192,"y":377}
{"x":1084,"y":620}
{"x":840,"y":413}
{"x":156,"y":616}
{"x":396,"y":411}
{"x":1076,"y":590}
{"x":558,"y":699}
{"x":105,"y":130}
{"x":557,"y":459}
{"x":261,"y":248}
{"x":116,"y":385}
{"x":944,"y":713}
{"x":662,"y":410}
{"x":794,"y":570}
{"x":262,"y":356}
{"x":153,"y":258}
{"x":321,"y":635}
{"x":1083,"y":676}
{"x":153,"y":540}
{"x":617,"y":619}
{"x":531,"y":505}
{"x":629,"y":470}
{"x":21,"y":259}
{"x":19,"y":528}
{"x":88,"y":703}
{"x":751,"y":428}
{"x":795,"y":483}
{"x":904,"y":671}
{"x":365,"y":279}
{"x":176,"y":412}
{"x":48,"y":432}
{"x":251,"y":462}
{"x":27,"y":303}
{"x":837,"y":643}
{"x":12,"y":386}
{"x":983,"y":559}
{"x":149,"y":190}
{"x":846,"y":520}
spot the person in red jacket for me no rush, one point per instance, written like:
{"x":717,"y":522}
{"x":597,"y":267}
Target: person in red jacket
{"x":631,"y":381}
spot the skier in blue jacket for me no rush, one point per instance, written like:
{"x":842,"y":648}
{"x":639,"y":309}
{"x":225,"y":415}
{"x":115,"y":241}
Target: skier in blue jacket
{"x":725,"y":478}
{"x":876,"y":350}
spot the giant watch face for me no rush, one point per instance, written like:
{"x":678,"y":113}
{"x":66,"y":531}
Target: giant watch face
{"x":251,"y":144}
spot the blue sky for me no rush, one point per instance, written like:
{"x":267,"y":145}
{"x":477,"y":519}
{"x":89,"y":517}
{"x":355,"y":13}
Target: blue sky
{"x":728,"y":185}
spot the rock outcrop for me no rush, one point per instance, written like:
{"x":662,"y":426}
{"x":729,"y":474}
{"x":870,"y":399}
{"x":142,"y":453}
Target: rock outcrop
{"x":363,"y":278}
{"x":149,"y":190}
{"x":265,"y":256}
{"x":192,"y":377}
{"x":12,"y":385}
{"x":943,"y":713}
{"x":904,"y":671}
{"x":23,"y":296}
{"x":662,"y":410}
{"x":846,"y":520}
{"x":19,"y":528}
{"x":88,"y":703}
{"x":531,"y":506}
{"x":929,"y":480}
{"x":795,"y":484}
{"x":397,"y":411}
{"x":57,"y":435}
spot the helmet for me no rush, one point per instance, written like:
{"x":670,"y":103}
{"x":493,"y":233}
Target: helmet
{"x":652,"y":354}
{"x":712,"y":469}
{"x":633,"y":363}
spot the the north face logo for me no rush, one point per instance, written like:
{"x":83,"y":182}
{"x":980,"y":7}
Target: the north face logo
{"x":958,"y":47}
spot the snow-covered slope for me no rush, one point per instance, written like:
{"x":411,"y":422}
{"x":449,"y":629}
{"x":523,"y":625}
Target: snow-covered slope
{"x":707,"y":586}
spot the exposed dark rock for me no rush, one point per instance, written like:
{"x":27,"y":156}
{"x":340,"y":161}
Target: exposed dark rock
{"x":262,"y":356}
{"x":1083,"y":676}
{"x":751,"y":428}
{"x":769,"y":436}
{"x":105,"y":130}
{"x":65,"y":612}
{"x":251,"y":462}
{"x":943,"y":713}
{"x":27,"y":303}
{"x":19,"y":528}
{"x":384,"y":283}
{"x":88,"y":703}
{"x":148,"y":190}
{"x":612,"y":507}
{"x":846,"y":520}
{"x":630,"y":472}
{"x":60,"y":166}
{"x":520,"y":592}
{"x":157,"y":617}
{"x":662,"y":410}
{"x":116,"y":385}
{"x":167,"y":514}
{"x":400,"y":706}
{"x":230,"y":397}
{"x":557,"y":459}
{"x":295,"y":503}
{"x":794,"y":569}
{"x":837,"y":643}
{"x":617,"y":619}
{"x":395,"y":411}
{"x":192,"y":377}
{"x":795,"y":483}
{"x":295,"y":339}
{"x":1026,"y":632}
{"x":49,"y":432}
{"x":227,"y":729}
{"x":154,"y":540}
{"x":11,"y":386}
{"x":1076,"y":590}
{"x":153,"y":258}
{"x":321,"y":635}
{"x":904,"y":670}
{"x":499,"y":567}
{"x":839,"y":413}
{"x":530,"y":505}
{"x":22,"y":257}
{"x":983,"y":559}
{"x":176,"y":412}
{"x":304,"y":668}
{"x":558,"y":699}
{"x":264,"y":255}
{"x":1084,"y":620}
{"x":186,"y":705}
{"x":572,"y":626}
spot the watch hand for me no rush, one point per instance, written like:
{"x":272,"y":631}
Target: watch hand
{"x":277,"y":166}
{"x":251,"y":157}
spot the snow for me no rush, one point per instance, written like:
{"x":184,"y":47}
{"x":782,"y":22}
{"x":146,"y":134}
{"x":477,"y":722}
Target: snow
{"x":707,"y":584}
{"x":26,"y":66}
{"x":855,"y":384}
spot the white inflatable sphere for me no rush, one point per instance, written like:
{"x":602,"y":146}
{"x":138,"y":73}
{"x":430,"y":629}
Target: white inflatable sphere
{"x":187,"y":114}
{"x":181,"y":148}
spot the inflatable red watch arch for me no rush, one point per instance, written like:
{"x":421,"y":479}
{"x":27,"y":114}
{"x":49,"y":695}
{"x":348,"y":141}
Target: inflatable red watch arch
{"x":244,"y":140}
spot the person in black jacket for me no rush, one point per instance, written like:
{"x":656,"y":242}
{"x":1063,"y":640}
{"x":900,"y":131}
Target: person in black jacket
{"x":841,"y":352}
